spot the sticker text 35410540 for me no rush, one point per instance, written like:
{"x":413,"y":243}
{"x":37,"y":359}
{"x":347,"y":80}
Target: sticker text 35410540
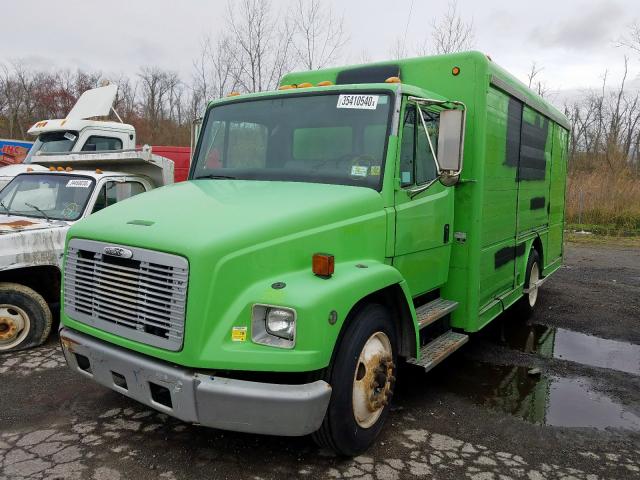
{"x":363,"y":102}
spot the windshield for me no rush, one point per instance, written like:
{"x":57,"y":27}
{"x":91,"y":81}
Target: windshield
{"x":321,"y":138}
{"x":52,"y":142}
{"x":46,"y":195}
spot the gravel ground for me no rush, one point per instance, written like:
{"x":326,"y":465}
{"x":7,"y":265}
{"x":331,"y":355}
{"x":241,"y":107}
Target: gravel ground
{"x":532,"y":400}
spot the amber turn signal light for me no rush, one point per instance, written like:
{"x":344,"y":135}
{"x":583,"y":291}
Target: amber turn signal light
{"x":323,"y":264}
{"x":455,"y":71}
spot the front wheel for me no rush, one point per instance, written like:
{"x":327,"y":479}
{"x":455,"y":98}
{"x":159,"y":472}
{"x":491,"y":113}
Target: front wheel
{"x":25,"y":317}
{"x":362,"y":378}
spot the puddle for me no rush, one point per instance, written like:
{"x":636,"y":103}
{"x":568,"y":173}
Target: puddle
{"x":573,"y":346}
{"x":547,"y":400}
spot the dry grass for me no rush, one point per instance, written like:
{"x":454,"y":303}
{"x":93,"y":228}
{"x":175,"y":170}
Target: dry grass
{"x":604,"y":201}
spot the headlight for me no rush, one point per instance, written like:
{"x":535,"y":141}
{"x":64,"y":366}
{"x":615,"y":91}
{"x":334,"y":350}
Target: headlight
{"x":275,"y":326}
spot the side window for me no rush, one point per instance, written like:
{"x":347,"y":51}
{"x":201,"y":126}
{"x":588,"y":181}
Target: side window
{"x":425,"y":163}
{"x":114,"y":192}
{"x":417,"y":165}
{"x":96,"y":143}
{"x":408,"y":147}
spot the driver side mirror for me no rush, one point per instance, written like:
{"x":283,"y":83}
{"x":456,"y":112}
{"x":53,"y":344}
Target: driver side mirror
{"x":450,"y":145}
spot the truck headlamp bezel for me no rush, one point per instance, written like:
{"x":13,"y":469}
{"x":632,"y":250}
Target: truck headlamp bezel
{"x":261,"y":332}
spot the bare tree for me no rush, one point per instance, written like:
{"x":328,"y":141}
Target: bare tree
{"x":534,"y":83}
{"x":632,"y":38}
{"x":319,"y":35}
{"x":451,"y":33}
{"x":215,"y":72}
{"x":398,"y":49}
{"x":262,"y":53}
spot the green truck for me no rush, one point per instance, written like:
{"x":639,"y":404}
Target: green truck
{"x":354,"y":218}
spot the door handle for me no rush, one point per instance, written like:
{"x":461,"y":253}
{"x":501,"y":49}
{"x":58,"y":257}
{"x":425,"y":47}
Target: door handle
{"x":445,"y":236}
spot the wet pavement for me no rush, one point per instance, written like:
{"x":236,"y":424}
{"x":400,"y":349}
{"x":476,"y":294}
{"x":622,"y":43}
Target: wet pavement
{"x":555,"y":397}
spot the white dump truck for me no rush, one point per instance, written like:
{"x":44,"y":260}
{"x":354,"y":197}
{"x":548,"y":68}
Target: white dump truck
{"x":36,"y":209}
{"x":80,"y":131}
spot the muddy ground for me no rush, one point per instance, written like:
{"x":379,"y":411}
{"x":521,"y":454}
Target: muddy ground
{"x":534,"y":400}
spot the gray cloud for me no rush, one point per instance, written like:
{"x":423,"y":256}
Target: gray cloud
{"x":589,"y":28}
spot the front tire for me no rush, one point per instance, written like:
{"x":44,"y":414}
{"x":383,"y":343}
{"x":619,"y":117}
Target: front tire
{"x":25,"y":317}
{"x":362,"y":375}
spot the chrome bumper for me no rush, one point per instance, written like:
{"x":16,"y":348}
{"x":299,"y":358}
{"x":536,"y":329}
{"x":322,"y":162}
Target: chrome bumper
{"x":228,"y":404}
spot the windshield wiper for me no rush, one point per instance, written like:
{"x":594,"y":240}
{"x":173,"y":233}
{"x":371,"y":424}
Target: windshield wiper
{"x":39,"y":210}
{"x":224,"y":177}
{"x":5,"y":207}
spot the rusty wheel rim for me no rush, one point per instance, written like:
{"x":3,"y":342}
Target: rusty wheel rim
{"x":373,"y":380}
{"x":14,"y":326}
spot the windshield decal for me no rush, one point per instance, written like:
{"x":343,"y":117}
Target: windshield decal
{"x":359,"y":171}
{"x":78,"y":183}
{"x":361,"y":102}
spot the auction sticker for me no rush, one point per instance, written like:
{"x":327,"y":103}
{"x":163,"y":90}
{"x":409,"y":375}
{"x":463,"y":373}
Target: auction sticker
{"x":362,"y":102}
{"x":238,"y":334}
{"x":359,"y":171}
{"x":78,"y":183}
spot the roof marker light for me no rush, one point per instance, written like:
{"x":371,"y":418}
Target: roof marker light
{"x":60,"y":169}
{"x":286,"y":87}
{"x":325,"y":83}
{"x":68,"y":169}
{"x":305,"y":85}
{"x":392,"y":80}
{"x":52,"y":169}
{"x":233,"y":94}
{"x":98,"y":171}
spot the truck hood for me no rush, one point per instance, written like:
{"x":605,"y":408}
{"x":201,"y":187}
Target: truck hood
{"x":193,"y":216}
{"x":16,"y":223}
{"x":27,"y":241}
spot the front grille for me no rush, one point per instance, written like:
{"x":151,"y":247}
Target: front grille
{"x":142,"y":298}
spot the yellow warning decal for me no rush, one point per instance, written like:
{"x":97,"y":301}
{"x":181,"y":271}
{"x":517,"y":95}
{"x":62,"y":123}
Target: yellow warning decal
{"x":238,"y":334}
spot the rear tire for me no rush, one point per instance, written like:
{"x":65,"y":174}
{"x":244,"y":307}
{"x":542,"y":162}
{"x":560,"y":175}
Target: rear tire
{"x":25,"y":317}
{"x":362,"y":375}
{"x":529,"y":301}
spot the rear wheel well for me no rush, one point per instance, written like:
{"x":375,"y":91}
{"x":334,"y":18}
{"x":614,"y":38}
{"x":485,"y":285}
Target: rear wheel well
{"x":43,"y":279}
{"x":537,"y":245}
{"x":393,"y":298}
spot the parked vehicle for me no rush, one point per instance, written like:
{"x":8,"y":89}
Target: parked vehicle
{"x":81,"y":132}
{"x":356,"y":217}
{"x":36,"y":210}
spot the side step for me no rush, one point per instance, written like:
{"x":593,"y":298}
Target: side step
{"x":434,"y":310}
{"x":438,"y":349}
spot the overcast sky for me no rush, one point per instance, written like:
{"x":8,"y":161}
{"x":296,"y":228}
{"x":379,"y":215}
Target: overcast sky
{"x":573,"y":40}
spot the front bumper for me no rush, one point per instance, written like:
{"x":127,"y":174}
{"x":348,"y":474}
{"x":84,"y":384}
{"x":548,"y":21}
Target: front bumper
{"x":229,"y":404}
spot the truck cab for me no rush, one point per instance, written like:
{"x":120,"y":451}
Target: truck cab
{"x":80,"y":131}
{"x":37,"y":208}
{"x":354,"y":218}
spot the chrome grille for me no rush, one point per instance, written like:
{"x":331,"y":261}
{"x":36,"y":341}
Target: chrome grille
{"x":142,"y":297}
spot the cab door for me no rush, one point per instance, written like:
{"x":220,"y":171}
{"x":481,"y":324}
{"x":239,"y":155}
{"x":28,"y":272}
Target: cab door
{"x":423,"y":220}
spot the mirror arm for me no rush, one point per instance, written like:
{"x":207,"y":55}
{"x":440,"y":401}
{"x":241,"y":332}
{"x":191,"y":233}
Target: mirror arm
{"x":412,"y":192}
{"x":426,"y":132}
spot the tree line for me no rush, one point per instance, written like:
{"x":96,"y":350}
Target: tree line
{"x":260,"y":41}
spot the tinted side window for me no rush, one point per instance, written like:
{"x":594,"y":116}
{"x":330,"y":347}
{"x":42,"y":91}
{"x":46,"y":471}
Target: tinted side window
{"x":114,"y":192}
{"x":96,"y":143}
